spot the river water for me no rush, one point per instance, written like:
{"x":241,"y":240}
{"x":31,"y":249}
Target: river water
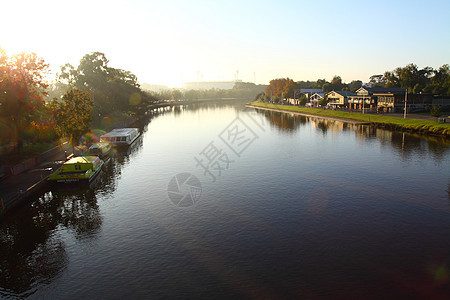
{"x":219,"y":200}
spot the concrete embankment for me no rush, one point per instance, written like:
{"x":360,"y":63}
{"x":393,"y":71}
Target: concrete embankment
{"x":410,"y":124}
{"x":311,"y":115}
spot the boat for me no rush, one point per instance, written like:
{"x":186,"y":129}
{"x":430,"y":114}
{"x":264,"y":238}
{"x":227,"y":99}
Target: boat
{"x":101,"y":149}
{"x":79,"y":169}
{"x":121,"y":136}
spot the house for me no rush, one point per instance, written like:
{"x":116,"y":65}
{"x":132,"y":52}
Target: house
{"x":315,"y":99}
{"x":339,"y":98}
{"x":293,"y":101}
{"x":389,"y":99}
{"x":309,"y":92}
{"x":363,"y":99}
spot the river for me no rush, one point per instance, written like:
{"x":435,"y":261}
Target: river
{"x":219,"y":200}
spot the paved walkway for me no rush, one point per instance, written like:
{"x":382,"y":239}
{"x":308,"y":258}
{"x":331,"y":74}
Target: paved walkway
{"x":15,"y":188}
{"x":414,"y":116}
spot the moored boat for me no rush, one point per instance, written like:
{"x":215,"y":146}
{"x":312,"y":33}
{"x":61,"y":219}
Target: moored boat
{"x":79,"y":169}
{"x":100,"y":149}
{"x":121,"y":136}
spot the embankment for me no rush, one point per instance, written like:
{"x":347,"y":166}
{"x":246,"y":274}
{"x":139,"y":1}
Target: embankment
{"x":380,"y":121}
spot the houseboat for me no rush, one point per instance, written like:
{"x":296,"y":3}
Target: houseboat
{"x":121,"y":136}
{"x":101,"y":149}
{"x":79,"y":169}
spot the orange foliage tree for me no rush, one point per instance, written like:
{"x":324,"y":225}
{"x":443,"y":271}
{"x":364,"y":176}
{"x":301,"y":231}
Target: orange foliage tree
{"x":281,"y":87}
{"x":22,"y":92}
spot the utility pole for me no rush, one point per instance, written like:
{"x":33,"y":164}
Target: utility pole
{"x":406,"y":101}
{"x":364,"y":102}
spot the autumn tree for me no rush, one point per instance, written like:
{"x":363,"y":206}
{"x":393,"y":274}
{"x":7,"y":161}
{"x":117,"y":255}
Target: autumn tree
{"x":22,"y":91}
{"x":281,"y":87}
{"x":72,"y":115}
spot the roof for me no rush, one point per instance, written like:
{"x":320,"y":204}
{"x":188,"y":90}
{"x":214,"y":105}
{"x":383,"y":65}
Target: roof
{"x":344,"y":93}
{"x":394,"y":90}
{"x":311,"y":91}
{"x":320,"y":94}
{"x":81,"y":160}
{"x":120,"y":132}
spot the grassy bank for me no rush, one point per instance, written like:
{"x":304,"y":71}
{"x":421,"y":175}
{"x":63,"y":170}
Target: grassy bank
{"x":395,"y":123}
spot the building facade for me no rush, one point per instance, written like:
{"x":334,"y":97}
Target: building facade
{"x":339,"y":99}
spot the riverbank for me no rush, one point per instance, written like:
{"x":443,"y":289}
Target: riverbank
{"x":23,"y":179}
{"x":393,"y":123}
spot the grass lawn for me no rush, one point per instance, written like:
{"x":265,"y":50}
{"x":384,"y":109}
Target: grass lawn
{"x":424,"y":126}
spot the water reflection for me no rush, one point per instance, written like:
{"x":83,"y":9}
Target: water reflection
{"x":211,"y":105}
{"x":328,"y":197}
{"x":32,"y":251}
{"x":406,"y":145}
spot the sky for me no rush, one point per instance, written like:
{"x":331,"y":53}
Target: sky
{"x":170,"y":42}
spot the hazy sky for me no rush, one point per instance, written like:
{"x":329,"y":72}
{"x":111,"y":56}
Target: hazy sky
{"x":168,"y":42}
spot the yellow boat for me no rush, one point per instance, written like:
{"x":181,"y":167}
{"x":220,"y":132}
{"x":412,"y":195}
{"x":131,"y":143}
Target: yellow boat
{"x":79,"y":169}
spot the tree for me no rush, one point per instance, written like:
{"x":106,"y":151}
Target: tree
{"x":436,"y":111}
{"x":176,"y":94}
{"x":354,"y":85}
{"x":324,"y":101}
{"x":22,"y":91}
{"x":303,"y":100}
{"x":260,"y":97}
{"x":377,"y":81}
{"x":72,"y":115}
{"x":439,"y":83}
{"x":281,"y":87}
{"x":392,"y":78}
{"x":112,"y":89}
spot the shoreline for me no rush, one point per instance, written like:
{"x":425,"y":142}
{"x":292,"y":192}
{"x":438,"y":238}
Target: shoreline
{"x":311,"y":115}
{"x":423,"y":127}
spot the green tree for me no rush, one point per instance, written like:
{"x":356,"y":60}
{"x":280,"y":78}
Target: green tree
{"x":392,"y":78}
{"x":436,"y":111}
{"x":72,"y":115}
{"x":260,"y":97}
{"x":324,"y":101}
{"x":303,"y":100}
{"x":439,"y":83}
{"x":354,"y":85}
{"x":112,"y":90}
{"x":377,"y":81}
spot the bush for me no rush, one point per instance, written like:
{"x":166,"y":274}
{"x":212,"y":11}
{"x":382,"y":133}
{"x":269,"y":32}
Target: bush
{"x":436,"y":111}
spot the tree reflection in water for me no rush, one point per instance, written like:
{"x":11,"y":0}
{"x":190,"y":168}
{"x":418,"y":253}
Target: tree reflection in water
{"x":405,"y":144}
{"x":32,"y":252}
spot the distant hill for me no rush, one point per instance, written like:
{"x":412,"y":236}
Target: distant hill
{"x":209,"y":85}
{"x":154,"y":87}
